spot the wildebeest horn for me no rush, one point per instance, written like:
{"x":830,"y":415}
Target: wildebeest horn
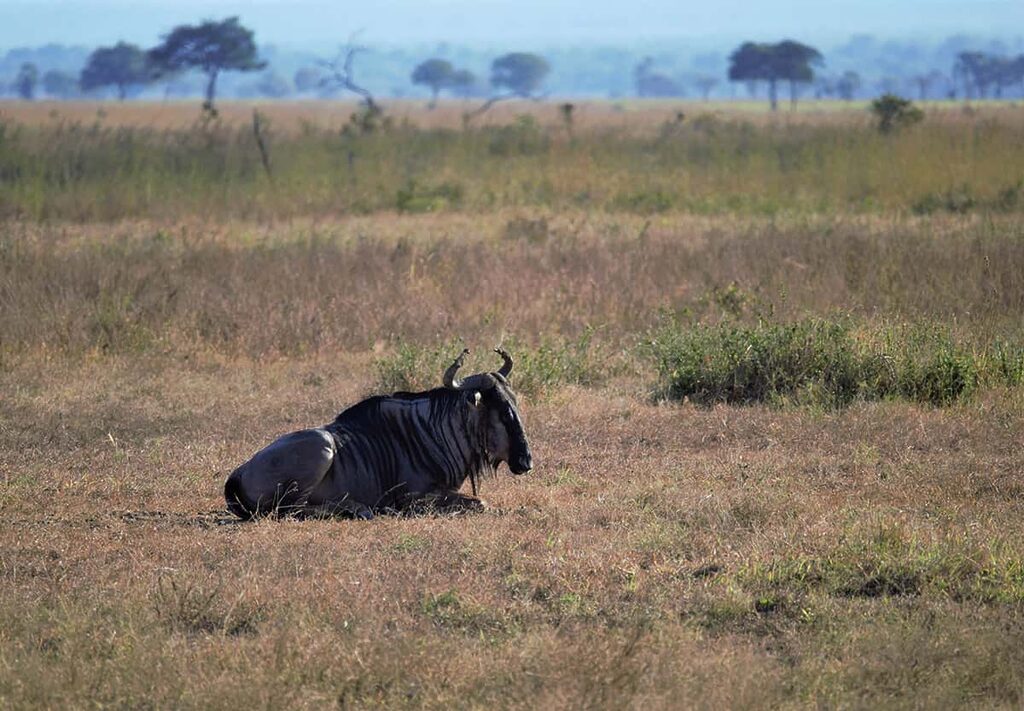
{"x":449,"y":375}
{"x":480,"y":381}
{"x":506,"y":367}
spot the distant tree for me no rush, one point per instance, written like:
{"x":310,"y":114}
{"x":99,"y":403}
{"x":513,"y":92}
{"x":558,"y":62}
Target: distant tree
{"x":341,"y":75}
{"x":308,"y":79}
{"x":60,"y":85}
{"x":1008,"y":71}
{"x":705,"y":84}
{"x":123,"y":66}
{"x":26,"y":81}
{"x":212,"y":47}
{"x":794,"y":62}
{"x":894,"y":112}
{"x":752,"y":62}
{"x":521,"y":73}
{"x":274,"y":85}
{"x":652,"y":84}
{"x":785,"y":61}
{"x":437,"y":74}
{"x":925,"y":82}
{"x":848,"y":85}
{"x":980,"y":72}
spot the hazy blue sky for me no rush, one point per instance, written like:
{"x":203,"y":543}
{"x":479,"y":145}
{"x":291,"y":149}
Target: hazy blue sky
{"x":318,"y":23}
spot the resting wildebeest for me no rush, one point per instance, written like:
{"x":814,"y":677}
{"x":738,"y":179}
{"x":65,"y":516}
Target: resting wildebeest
{"x":390,"y":452}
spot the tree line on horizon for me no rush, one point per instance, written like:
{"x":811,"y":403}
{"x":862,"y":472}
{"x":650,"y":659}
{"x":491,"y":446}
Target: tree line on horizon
{"x":212,"y":48}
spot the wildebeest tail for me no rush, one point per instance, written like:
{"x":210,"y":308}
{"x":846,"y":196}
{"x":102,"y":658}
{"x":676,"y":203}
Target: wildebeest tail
{"x":236,"y":500}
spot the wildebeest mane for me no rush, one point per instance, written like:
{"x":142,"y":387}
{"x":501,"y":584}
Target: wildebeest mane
{"x":368,"y":408}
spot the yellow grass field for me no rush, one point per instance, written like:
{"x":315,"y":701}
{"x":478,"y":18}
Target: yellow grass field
{"x":633,"y":115}
{"x":841,"y":528}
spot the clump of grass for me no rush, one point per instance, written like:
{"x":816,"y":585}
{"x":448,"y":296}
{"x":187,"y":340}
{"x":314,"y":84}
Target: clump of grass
{"x":823,"y":362}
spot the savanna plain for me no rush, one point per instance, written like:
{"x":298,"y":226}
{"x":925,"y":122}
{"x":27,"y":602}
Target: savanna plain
{"x":771,"y":367}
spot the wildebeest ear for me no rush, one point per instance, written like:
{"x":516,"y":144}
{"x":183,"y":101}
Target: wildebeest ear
{"x":473,"y":398}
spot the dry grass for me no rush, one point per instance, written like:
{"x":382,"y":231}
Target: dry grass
{"x":648,"y":561}
{"x":632,"y":115}
{"x":72,"y":167}
{"x":321,"y":287}
{"x":660,"y":555}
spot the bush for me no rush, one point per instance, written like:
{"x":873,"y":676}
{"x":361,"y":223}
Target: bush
{"x":820,"y":362}
{"x":428,"y":198}
{"x":894,"y":112}
{"x":737,"y":364}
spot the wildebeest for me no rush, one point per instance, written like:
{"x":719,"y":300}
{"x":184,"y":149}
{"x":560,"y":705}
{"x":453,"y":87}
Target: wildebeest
{"x":390,"y":452}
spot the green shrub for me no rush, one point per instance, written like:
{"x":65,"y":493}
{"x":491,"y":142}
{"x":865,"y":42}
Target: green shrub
{"x":739,"y":364}
{"x":428,"y":198}
{"x":894,"y":112}
{"x":820,"y":362}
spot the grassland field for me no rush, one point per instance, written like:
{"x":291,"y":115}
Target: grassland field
{"x":772,"y":369}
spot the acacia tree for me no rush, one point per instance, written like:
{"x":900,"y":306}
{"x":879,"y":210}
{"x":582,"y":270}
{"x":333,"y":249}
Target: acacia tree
{"x":522,"y":73}
{"x":123,"y":65}
{"x":794,"y":64}
{"x":212,"y":47}
{"x":437,"y":74}
{"x":785,"y":61}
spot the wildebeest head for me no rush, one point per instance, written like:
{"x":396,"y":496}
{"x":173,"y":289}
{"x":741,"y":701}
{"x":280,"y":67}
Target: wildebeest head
{"x":496,"y":412}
